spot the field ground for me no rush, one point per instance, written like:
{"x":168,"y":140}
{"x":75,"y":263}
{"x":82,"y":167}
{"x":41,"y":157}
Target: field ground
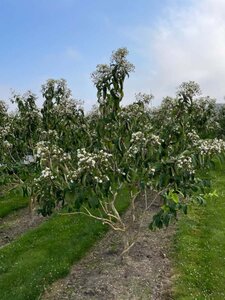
{"x":102,"y":275}
{"x":187,"y":263}
{"x":200,"y":248}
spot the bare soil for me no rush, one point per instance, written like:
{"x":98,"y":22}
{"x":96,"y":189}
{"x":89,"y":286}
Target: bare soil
{"x":144,"y":273}
{"x":17,"y":223}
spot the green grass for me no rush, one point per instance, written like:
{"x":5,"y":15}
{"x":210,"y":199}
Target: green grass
{"x":46,"y":253}
{"x":199,"y":255}
{"x":11,"y":202}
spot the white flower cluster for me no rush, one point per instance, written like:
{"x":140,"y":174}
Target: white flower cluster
{"x":131,"y":111}
{"x":155,"y":140}
{"x":138,"y":137}
{"x":46,"y":151}
{"x":42,"y":149}
{"x":210,"y":147}
{"x":88,"y":159}
{"x":190,"y":89}
{"x":119,"y":58}
{"x":102,"y":73}
{"x":138,"y":140}
{"x":92,"y":164}
{"x":50,"y":156}
{"x":101,"y":178}
{"x":176,"y":128}
{"x":3,"y":107}
{"x":45,"y":174}
{"x":193,"y":137}
{"x":133,"y":150}
{"x":67,"y":107}
{"x":7,"y":144}
{"x":121,"y":172}
{"x":169,"y":104}
{"x":143,"y":98}
{"x":110,"y":126}
{"x":4,"y":130}
{"x":151,"y":170}
{"x":65,"y":157}
{"x":147,"y":127}
{"x":50,"y":134}
{"x":185,"y":163}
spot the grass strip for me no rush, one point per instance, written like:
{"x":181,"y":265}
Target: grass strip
{"x":11,"y":202}
{"x":46,"y":253}
{"x":199,"y":254}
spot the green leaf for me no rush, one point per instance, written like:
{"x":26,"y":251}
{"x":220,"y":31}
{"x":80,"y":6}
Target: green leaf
{"x":175,"y":197}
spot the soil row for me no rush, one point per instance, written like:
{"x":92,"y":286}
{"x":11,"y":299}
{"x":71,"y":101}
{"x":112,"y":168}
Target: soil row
{"x":16,"y":224}
{"x":145,"y":273}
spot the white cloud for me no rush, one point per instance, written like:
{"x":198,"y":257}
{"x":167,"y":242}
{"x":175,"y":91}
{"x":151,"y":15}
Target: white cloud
{"x":187,"y":43}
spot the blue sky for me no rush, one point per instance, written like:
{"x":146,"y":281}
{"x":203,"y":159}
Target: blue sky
{"x":43,"y":39}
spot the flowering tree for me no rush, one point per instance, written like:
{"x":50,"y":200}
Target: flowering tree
{"x":109,"y":81}
{"x":81,"y":162}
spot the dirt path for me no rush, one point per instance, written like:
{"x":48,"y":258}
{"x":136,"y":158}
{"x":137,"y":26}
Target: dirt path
{"x":16,"y":224}
{"x":101,"y":275}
